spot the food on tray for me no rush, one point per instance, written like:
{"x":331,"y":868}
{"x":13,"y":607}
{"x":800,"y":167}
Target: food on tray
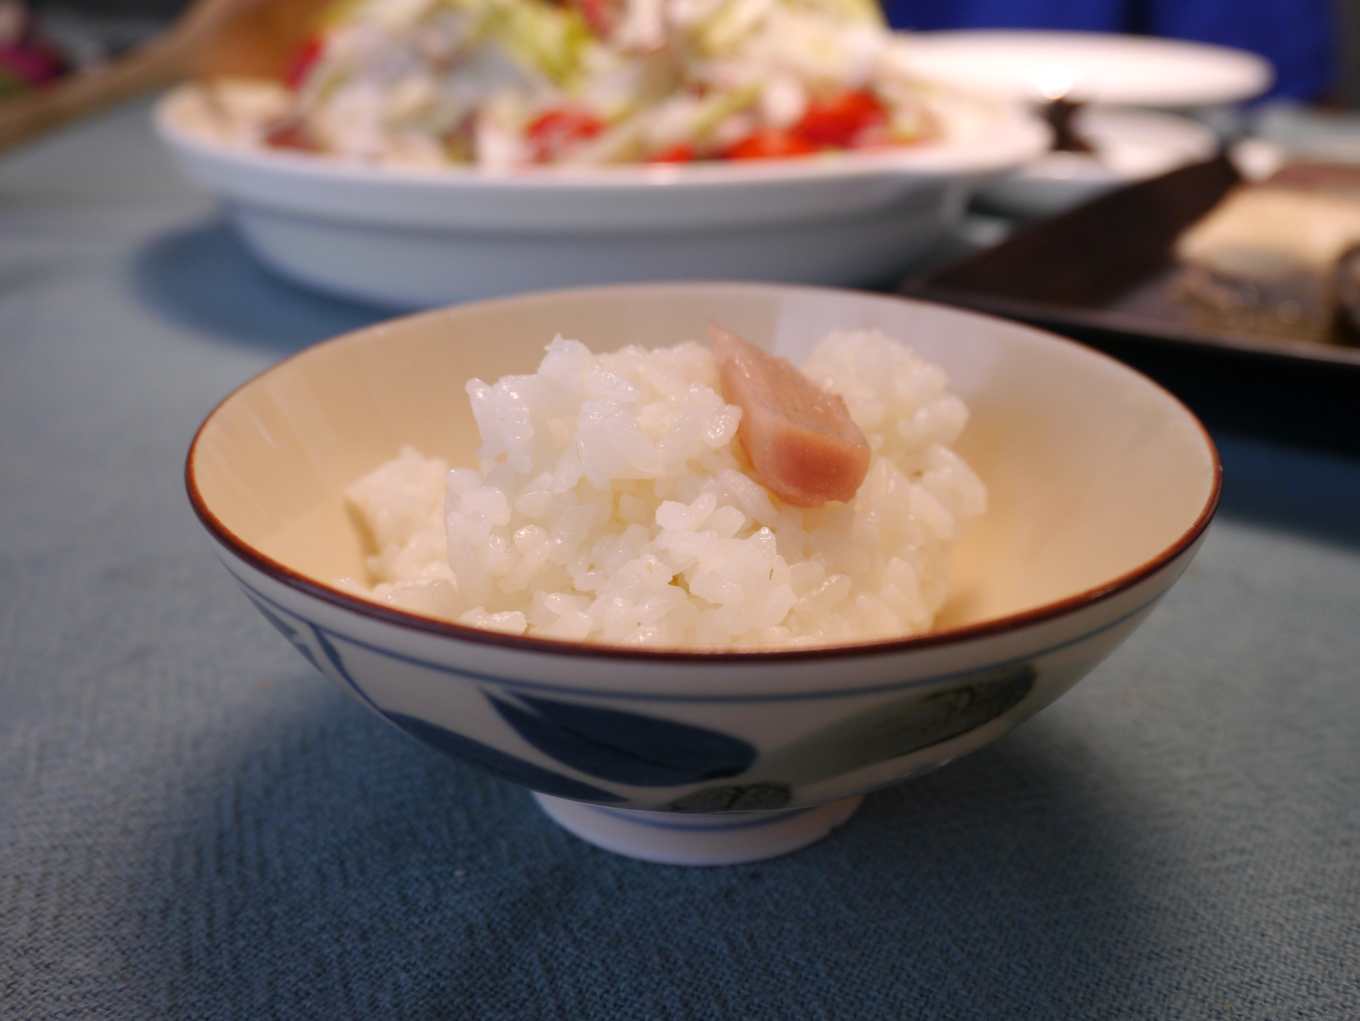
{"x":628,"y":498}
{"x":1280,"y":252}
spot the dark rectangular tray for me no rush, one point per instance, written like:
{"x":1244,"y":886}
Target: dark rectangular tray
{"x":1106,"y":272}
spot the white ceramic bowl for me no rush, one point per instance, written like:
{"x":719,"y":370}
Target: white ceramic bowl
{"x":1101,"y":486}
{"x":414,"y":238}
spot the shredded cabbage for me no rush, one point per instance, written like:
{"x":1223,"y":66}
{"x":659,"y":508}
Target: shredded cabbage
{"x":470,"y":79}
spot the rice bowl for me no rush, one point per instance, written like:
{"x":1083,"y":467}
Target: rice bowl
{"x":1100,"y":487}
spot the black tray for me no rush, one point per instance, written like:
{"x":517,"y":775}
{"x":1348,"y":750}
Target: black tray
{"x":1105,"y":272}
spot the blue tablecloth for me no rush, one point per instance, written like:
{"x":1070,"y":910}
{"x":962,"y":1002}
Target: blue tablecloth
{"x":194,"y":825}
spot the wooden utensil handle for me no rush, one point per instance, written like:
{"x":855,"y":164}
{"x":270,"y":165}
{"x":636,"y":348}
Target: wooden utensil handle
{"x":159,"y":63}
{"x":153,"y":66}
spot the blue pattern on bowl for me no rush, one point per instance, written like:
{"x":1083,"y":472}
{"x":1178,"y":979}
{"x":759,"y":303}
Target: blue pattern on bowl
{"x":642,"y":751}
{"x":902,"y":727}
{"x":282,"y":626}
{"x":627,"y":748}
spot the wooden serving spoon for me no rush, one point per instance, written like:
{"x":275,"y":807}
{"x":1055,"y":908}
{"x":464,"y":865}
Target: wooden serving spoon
{"x":242,"y":38}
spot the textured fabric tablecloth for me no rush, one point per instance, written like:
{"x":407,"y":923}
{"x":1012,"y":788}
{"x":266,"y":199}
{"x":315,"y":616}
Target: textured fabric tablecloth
{"x":194,"y":825}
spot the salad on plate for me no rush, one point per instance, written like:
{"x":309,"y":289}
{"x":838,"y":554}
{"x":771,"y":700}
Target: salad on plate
{"x":502,"y":84}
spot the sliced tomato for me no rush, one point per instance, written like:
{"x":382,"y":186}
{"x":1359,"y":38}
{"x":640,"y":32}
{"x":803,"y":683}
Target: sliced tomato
{"x":682,"y":152}
{"x":291,"y":134}
{"x":303,"y":60}
{"x":600,"y":15}
{"x":770,"y":144}
{"x":553,"y":130}
{"x":839,"y":121}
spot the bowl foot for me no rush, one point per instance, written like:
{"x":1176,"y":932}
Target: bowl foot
{"x":698,"y":838}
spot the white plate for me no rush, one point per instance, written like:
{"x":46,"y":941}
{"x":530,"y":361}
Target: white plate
{"x":1094,"y":67}
{"x":423,"y":237}
{"x":1131,"y":145}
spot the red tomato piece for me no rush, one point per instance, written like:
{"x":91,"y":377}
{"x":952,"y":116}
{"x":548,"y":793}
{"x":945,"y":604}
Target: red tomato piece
{"x":682,"y":152}
{"x":291,"y":135}
{"x":307,"y":55}
{"x":599,"y":15}
{"x":770,"y":145}
{"x":553,"y":130}
{"x":840,"y":120}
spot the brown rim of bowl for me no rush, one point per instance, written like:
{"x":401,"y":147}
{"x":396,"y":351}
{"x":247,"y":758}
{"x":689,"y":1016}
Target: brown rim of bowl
{"x":525,"y":643}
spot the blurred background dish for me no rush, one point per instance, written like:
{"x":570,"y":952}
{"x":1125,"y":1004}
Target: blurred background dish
{"x":407,"y":237}
{"x":1093,"y":67}
{"x":417,"y":153}
{"x":1106,"y":88}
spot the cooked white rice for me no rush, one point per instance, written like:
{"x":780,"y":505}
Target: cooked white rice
{"x":612,"y":503}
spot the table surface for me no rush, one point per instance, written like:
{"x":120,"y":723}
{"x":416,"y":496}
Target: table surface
{"x":192,"y":824}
